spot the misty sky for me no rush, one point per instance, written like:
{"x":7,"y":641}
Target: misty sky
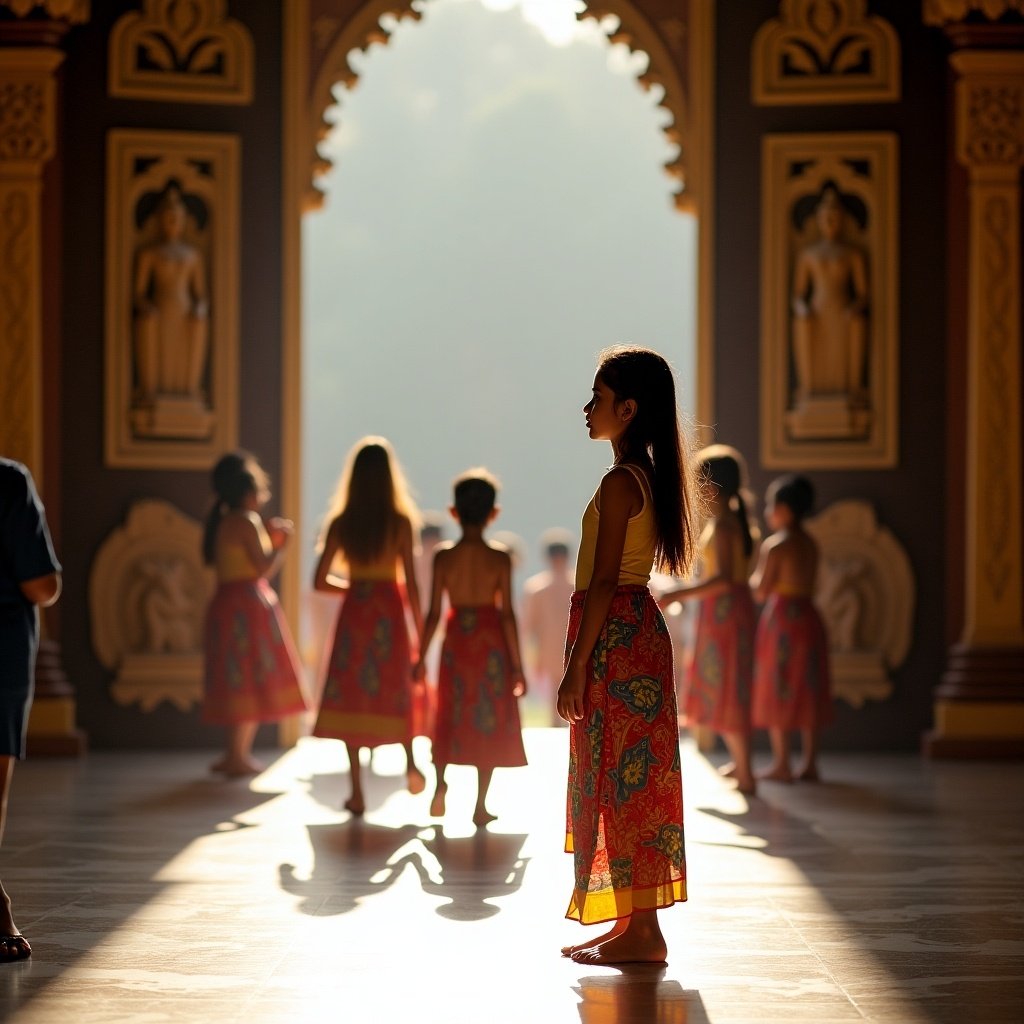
{"x":498,"y":213}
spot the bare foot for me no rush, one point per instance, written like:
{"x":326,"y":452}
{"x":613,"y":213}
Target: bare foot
{"x":624,"y":949}
{"x":617,"y":928}
{"x":437,"y":804}
{"x":355,"y":805}
{"x":747,"y":785}
{"x":776,"y":773}
{"x":415,"y":780}
{"x":728,"y":771}
{"x":236,"y":769}
{"x":481,"y":816}
{"x":808,"y":773}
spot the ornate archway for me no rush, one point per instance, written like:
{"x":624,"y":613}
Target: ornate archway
{"x":676,"y":35}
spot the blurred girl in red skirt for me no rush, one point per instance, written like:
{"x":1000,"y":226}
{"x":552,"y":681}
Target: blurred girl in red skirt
{"x":368,"y":695}
{"x":252,"y":672}
{"x":720,"y":669}
{"x":792,"y":680}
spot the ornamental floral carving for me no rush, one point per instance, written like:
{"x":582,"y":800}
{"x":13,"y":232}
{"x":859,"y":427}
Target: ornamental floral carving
{"x":994,"y":125}
{"x":75,"y":12}
{"x":181,"y":50}
{"x":825,"y":51}
{"x":941,"y":12}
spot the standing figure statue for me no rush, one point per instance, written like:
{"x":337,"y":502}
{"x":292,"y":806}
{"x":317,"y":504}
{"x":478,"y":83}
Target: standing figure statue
{"x":830,"y":298}
{"x":171,"y":318}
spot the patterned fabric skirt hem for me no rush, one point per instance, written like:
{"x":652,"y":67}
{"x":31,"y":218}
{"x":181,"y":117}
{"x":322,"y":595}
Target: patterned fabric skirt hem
{"x":624,"y":807}
{"x":614,"y":904}
{"x":719,"y":677}
{"x":252,"y":671}
{"x":477,"y":714}
{"x":792,"y":686}
{"x":368,"y":692}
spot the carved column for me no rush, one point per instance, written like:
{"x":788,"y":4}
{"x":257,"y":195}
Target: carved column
{"x":979,"y":709}
{"x":30,"y":36}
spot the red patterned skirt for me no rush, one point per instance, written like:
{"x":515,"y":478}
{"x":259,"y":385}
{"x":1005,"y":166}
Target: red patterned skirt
{"x":720,"y":670}
{"x":792,"y":679}
{"x":367,"y":698}
{"x":477,"y":713}
{"x":252,"y":669}
{"x":624,"y":814}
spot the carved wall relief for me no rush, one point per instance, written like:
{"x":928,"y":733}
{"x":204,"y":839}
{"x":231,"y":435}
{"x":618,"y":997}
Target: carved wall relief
{"x":829,"y":295}
{"x":181,"y":51}
{"x":825,"y":51}
{"x":148,"y":592}
{"x":172,"y":296}
{"x":866,"y":596}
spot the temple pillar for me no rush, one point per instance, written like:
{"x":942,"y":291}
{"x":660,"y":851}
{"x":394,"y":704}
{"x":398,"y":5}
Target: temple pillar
{"x":30,"y":56}
{"x":979,"y":704}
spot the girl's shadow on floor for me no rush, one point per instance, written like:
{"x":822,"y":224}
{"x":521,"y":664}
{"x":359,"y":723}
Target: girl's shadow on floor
{"x":357,"y":859}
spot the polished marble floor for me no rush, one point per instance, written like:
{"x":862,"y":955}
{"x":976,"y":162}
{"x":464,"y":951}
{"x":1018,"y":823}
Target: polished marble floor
{"x":154,"y":893}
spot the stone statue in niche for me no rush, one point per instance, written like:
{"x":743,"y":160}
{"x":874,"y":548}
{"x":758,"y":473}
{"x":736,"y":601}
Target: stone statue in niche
{"x":169,"y":611}
{"x":841,"y":601}
{"x":829,"y":326}
{"x":171,"y":320}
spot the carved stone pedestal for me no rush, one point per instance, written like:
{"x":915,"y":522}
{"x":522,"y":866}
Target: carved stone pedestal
{"x":827,"y":417}
{"x":174,"y":417}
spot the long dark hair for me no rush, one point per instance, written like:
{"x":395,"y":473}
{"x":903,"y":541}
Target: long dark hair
{"x":794,"y":491}
{"x":654,"y":439}
{"x":723,"y":466}
{"x":234,"y":477}
{"x":372,"y":495}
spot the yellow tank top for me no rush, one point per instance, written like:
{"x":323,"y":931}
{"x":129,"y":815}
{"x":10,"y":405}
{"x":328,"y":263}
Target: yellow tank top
{"x":709,"y":557}
{"x":638,"y":548}
{"x":379,"y":573}
{"x":233,"y":564}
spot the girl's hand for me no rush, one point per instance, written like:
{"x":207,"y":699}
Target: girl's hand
{"x":569,"y":702}
{"x":280,"y":530}
{"x":518,"y":683}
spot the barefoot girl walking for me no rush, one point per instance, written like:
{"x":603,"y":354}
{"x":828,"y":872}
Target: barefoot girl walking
{"x":625,"y":811}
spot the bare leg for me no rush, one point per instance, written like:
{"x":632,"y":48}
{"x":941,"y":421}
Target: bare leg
{"x":779,"y":769}
{"x":640,"y":942}
{"x":16,"y":946}
{"x":356,"y":803}
{"x":739,"y":746}
{"x":481,"y":816}
{"x":415,"y":778}
{"x":808,"y":771}
{"x":238,"y":760}
{"x":440,"y":792}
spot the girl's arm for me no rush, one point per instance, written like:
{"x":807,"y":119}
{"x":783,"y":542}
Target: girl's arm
{"x":437,"y":584}
{"x":763,"y":580}
{"x":264,"y":555}
{"x":617,"y":495}
{"x":508,"y":622}
{"x":323,"y":579}
{"x":412,"y":587}
{"x":722,"y":538}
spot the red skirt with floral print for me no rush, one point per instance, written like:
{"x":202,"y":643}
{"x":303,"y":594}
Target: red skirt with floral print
{"x":367,"y":699}
{"x":792,"y":679}
{"x":477,"y":713}
{"x":624,"y":814}
{"x":252,"y":669}
{"x":720,"y":671}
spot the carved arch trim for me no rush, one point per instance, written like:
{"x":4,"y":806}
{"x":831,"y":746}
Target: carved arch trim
{"x":663,"y":40}
{"x":825,"y":51}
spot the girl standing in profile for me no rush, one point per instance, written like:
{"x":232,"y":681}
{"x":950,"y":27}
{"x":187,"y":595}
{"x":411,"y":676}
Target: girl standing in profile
{"x":625,"y":801}
{"x":252,"y":671}
{"x":792,"y":680}
{"x":368,"y":695}
{"x":720,"y":670}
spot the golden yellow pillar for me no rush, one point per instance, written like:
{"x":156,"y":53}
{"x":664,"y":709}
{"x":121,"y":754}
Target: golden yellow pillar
{"x":29,"y":60}
{"x":979,"y":708}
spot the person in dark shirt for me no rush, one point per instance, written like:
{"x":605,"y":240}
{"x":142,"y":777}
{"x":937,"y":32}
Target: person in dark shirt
{"x":29,"y":578}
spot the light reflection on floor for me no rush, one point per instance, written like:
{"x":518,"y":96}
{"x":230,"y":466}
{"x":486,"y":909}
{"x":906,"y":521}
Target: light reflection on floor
{"x":154,"y":893}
